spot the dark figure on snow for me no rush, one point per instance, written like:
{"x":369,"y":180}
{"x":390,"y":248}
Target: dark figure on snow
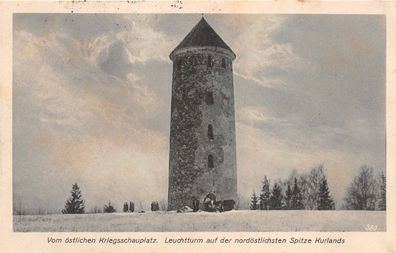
{"x":195,"y":204}
{"x":209,"y":202}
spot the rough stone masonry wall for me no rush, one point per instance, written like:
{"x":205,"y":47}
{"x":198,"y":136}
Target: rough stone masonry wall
{"x":189,"y":174}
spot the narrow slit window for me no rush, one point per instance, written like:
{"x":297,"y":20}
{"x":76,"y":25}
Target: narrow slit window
{"x":223,"y":63}
{"x":210,"y":132}
{"x":209,"y":61}
{"x":210,"y":162}
{"x":209,"y":98}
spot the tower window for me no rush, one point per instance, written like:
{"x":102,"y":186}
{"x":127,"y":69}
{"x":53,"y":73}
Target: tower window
{"x":210,"y":132}
{"x":223,"y":63}
{"x":210,"y":162}
{"x":209,"y":98}
{"x":209,"y":61}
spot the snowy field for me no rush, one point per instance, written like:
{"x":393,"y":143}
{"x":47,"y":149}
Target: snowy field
{"x":242,"y":220}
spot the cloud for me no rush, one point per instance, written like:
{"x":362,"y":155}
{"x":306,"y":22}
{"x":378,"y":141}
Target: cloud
{"x":144,"y":35}
{"x":262,"y":153}
{"x":109,"y":82}
{"x":257,"y":52}
{"x":328,"y":107}
{"x":86,"y":108}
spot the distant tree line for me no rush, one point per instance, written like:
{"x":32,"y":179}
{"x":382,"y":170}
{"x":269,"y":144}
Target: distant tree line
{"x":311,"y":191}
{"x":76,"y":205}
{"x":367,"y":191}
{"x":307,"y":191}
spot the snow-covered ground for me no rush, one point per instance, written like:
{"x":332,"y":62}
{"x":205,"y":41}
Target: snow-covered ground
{"x":242,"y":220}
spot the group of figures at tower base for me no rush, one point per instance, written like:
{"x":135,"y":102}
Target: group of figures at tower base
{"x":209,"y":205}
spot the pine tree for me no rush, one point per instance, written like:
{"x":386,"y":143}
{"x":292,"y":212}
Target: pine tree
{"x":265,"y":195}
{"x":288,"y":198}
{"x":325,"y":202}
{"x":254,"y":201}
{"x":276,"y":197}
{"x":296,"y":200}
{"x":382,"y":197}
{"x":74,"y":204}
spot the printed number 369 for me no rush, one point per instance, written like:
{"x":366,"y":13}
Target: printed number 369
{"x":371,"y":228}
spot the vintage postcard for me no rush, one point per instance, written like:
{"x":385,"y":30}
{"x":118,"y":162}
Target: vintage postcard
{"x":221,"y":126}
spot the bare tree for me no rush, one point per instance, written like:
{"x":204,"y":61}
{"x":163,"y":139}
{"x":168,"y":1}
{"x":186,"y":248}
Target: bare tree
{"x":382,"y":192}
{"x":309,"y":185}
{"x":361,"y":194}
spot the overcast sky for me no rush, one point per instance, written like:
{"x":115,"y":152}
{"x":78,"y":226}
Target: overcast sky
{"x":92,"y":101}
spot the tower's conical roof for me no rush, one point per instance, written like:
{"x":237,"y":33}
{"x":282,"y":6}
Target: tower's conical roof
{"x":202,"y":35}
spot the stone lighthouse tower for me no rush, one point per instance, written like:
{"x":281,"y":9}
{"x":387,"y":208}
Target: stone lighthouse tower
{"x":202,"y":156}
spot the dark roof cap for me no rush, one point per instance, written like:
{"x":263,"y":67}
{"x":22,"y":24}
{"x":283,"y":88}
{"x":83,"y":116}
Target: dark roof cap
{"x":200,"y":36}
